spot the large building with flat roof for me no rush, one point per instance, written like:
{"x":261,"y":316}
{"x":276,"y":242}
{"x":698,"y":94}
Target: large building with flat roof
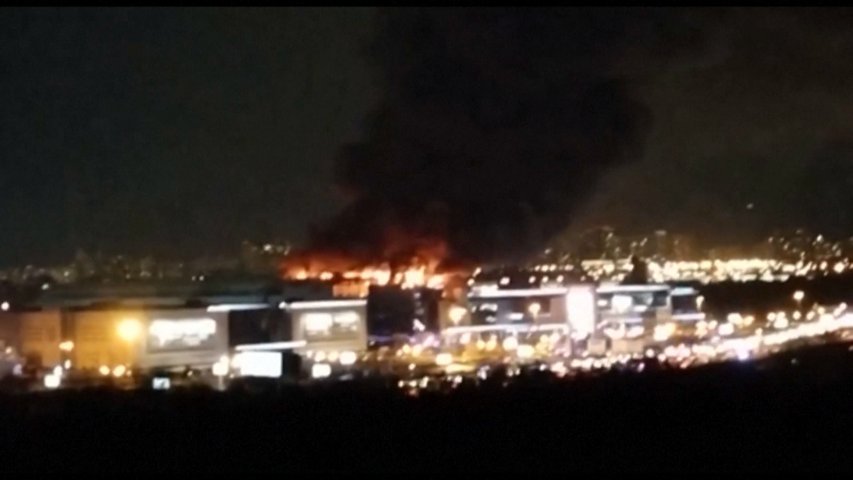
{"x":177,"y":325}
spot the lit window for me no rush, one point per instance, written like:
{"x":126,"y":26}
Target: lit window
{"x":347,"y":319}
{"x":622,"y":303}
{"x":184,"y":333}
{"x":317,"y":322}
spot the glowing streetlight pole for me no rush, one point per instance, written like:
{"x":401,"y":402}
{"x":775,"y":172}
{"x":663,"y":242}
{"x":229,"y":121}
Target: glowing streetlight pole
{"x":220,"y":370}
{"x":798,"y":296}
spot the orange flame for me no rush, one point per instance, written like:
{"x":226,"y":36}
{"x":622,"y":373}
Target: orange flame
{"x":421,"y":270}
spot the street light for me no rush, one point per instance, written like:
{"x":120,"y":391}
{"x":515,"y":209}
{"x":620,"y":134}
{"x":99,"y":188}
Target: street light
{"x":534,"y":309}
{"x":129,"y":329}
{"x":525,"y":352}
{"x":443,"y":359}
{"x":798,"y":297}
{"x":65,"y":348}
{"x":457,"y":314}
{"x":220,"y":369}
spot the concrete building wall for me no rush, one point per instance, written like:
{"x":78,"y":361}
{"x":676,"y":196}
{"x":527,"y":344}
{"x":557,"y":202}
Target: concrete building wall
{"x":40,"y":335}
{"x":10,"y":327}
{"x":97,"y":340}
{"x":559,"y":314}
{"x":132,"y":337}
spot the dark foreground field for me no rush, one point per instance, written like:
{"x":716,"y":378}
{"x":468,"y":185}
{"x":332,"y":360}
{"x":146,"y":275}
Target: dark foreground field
{"x":791,"y":413}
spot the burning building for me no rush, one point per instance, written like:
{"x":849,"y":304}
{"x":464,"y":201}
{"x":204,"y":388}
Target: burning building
{"x":473,"y":155}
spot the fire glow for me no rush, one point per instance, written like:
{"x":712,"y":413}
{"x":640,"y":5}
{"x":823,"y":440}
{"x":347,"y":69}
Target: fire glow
{"x":410,"y":277}
{"x":395,"y":260}
{"x":353,"y":277}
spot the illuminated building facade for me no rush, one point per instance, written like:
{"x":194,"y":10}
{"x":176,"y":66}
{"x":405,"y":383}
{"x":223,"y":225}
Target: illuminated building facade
{"x":592,"y":314}
{"x":163,"y":326}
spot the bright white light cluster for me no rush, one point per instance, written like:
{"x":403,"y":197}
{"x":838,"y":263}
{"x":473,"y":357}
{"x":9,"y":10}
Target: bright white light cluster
{"x":706,"y":271}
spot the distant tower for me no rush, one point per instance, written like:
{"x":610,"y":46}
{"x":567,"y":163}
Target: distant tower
{"x":682,"y":247}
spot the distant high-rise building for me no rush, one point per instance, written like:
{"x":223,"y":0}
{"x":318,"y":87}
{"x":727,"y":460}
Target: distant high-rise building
{"x":613,"y":246}
{"x":793,"y":246}
{"x":638,"y":246}
{"x":597,"y":243}
{"x":682,"y":248}
{"x":824,"y":249}
{"x":263,"y":258}
{"x":662,"y":245}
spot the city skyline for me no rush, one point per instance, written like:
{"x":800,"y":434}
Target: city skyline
{"x":803,"y":251}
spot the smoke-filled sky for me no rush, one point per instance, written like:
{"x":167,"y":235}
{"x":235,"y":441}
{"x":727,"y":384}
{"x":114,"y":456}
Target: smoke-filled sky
{"x":179,"y":132}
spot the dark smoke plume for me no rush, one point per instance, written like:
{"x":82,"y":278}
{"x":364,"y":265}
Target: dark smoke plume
{"x":494,"y":125}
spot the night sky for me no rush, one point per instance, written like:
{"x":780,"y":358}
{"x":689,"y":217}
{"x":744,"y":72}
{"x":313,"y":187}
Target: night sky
{"x":181,"y":132}
{"x":764,"y":117}
{"x":172,"y":132}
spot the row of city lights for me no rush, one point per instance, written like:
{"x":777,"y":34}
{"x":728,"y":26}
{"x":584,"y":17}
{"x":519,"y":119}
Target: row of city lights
{"x":680,"y":355}
{"x":744,"y":269}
